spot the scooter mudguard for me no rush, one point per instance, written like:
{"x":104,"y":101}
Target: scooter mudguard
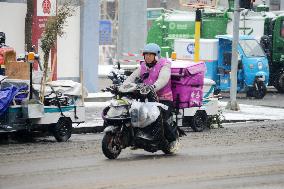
{"x":110,"y":129}
{"x":262,"y":76}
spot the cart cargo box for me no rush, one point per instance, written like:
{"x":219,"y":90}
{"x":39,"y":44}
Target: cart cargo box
{"x":187,"y":83}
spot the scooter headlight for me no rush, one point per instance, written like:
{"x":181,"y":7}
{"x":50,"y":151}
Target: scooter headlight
{"x":260,"y":65}
{"x":116,"y":111}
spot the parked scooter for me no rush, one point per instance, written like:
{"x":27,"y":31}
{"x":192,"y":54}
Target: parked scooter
{"x":253,"y":68}
{"x":129,"y":123}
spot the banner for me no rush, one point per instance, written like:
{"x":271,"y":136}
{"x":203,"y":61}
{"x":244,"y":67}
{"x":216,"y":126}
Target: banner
{"x":43,"y":9}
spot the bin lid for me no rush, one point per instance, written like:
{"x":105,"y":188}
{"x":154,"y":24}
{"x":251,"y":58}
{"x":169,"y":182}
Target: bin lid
{"x":190,"y":66}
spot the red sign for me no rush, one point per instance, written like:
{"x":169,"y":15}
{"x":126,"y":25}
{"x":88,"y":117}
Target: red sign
{"x":43,"y":9}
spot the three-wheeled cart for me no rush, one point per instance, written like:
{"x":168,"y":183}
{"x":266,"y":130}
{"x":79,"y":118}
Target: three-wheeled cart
{"x":193,"y":95}
{"x":62,"y":107}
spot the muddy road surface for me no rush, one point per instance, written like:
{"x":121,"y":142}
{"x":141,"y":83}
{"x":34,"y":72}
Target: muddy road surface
{"x":238,"y":156}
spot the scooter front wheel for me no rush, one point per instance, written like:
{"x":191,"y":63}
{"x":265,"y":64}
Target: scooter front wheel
{"x":110,"y":146}
{"x":259,"y":89}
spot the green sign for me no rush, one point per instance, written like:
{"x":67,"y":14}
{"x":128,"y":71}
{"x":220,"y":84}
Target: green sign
{"x":154,"y":13}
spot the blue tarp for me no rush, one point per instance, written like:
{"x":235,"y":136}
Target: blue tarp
{"x":6,"y":97}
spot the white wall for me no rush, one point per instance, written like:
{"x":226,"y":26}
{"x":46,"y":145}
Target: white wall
{"x":69,"y":48}
{"x":13,"y":24}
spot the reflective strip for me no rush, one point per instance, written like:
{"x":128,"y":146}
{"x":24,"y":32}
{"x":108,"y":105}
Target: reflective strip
{"x":126,"y":61}
{"x":209,"y":92}
{"x":53,"y":110}
{"x":131,"y":54}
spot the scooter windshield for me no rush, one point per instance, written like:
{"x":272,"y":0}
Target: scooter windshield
{"x":251,"y":48}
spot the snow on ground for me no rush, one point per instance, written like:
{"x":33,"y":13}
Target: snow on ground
{"x":251,"y":112}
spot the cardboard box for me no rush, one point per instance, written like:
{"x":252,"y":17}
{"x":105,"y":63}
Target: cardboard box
{"x":17,"y":70}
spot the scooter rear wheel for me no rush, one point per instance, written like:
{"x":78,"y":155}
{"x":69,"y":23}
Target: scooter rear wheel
{"x":172,"y":147}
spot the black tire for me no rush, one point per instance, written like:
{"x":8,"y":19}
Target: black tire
{"x":62,"y":130}
{"x":279,"y":83}
{"x":259,"y":89}
{"x":109,"y":148}
{"x":216,"y":91}
{"x":250,"y":92}
{"x":168,"y":150}
{"x":198,"y":122}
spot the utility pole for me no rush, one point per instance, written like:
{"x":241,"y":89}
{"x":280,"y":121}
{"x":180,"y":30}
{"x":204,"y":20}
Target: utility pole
{"x":89,"y":47}
{"x":103,"y":10}
{"x":197,"y":34}
{"x":232,"y":104}
{"x":28,"y":25}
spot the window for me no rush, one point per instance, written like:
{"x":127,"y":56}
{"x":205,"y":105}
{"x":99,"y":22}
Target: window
{"x":282,"y":29}
{"x":251,"y":48}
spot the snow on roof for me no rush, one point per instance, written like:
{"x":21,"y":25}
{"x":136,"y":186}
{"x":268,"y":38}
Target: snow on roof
{"x":230,"y":37}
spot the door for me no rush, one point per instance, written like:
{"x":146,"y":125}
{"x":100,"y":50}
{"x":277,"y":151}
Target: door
{"x":278,"y":41}
{"x":224,"y":64}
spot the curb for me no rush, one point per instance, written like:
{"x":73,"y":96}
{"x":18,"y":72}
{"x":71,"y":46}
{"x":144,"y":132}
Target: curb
{"x":83,"y":130}
{"x":245,"y":120}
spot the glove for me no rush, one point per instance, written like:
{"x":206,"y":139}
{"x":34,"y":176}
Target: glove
{"x":145,"y":89}
{"x":127,"y":87}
